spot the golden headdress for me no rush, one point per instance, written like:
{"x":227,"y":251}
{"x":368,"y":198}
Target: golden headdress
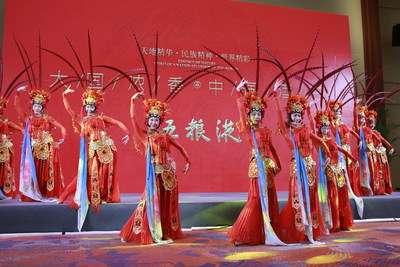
{"x":39,"y":97}
{"x":253,"y":102}
{"x":296,"y":103}
{"x":335,"y":105}
{"x":155,"y":108}
{"x":361,"y":110}
{"x":322,"y":118}
{"x":92,"y":97}
{"x":371,"y":114}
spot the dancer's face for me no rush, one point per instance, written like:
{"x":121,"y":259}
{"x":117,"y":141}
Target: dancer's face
{"x":362,"y":119}
{"x":255,"y":117}
{"x":324,"y":130}
{"x":338,"y":114}
{"x":153,"y":123}
{"x":37,"y":109}
{"x":295,"y":118}
{"x":372,"y":123}
{"x":90,"y":109}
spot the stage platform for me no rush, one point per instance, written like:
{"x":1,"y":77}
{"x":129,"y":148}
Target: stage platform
{"x":196,"y":209}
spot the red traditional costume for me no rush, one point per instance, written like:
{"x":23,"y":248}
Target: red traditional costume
{"x":369,"y":180}
{"x":102,"y":182}
{"x":249,"y":227}
{"x":7,"y":179}
{"x":44,"y":149}
{"x":338,"y":193}
{"x":382,"y":167}
{"x":299,"y":139}
{"x":166,"y":224}
{"x":338,"y":127}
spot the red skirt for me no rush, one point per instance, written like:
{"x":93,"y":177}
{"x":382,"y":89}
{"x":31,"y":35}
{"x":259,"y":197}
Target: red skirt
{"x":7,"y":177}
{"x":291,"y":219}
{"x":249,"y":227}
{"x":137,"y":230}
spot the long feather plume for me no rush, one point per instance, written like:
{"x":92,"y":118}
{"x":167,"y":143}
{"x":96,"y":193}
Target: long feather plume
{"x":90,"y":58}
{"x":77,"y":75}
{"x":23,"y":61}
{"x":258,"y":60}
{"x":122,"y":73}
{"x":229,"y":64}
{"x":308,"y":60}
{"x":179,"y":85}
{"x":144,"y":64}
{"x":156,"y":68}
{"x":75,"y":53}
{"x":29,"y":63}
{"x":9,"y":90}
{"x":40,"y":62}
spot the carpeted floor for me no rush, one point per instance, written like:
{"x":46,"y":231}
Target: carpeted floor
{"x":368,"y":244}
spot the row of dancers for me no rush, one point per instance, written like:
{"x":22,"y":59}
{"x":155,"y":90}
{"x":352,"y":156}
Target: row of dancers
{"x":318,"y":202}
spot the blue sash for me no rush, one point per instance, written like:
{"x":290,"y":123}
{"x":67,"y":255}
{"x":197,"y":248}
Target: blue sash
{"x":81,"y":197}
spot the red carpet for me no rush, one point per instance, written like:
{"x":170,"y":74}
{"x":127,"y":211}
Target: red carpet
{"x":369,"y":244}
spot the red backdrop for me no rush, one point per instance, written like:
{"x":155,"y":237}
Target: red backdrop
{"x":184,"y":27}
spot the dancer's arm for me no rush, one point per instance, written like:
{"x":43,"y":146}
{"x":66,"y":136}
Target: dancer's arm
{"x":120,"y":125}
{"x":138,"y":133}
{"x":15,"y":126}
{"x":21,"y":114}
{"x":67,"y":106}
{"x":59,"y":126}
{"x":181,"y":150}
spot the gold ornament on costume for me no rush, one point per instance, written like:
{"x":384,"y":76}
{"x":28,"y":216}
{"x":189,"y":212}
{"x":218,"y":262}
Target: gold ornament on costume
{"x":3,"y":102}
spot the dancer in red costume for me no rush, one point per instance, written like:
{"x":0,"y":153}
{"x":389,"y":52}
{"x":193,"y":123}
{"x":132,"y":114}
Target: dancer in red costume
{"x":338,"y":127}
{"x":382,"y":167}
{"x":249,"y":227}
{"x":45,"y":167}
{"x":40,"y":170}
{"x":334,"y":173}
{"x":301,"y":217}
{"x":369,"y":181}
{"x":156,"y":218}
{"x":102,"y":179}
{"x":7,"y":127}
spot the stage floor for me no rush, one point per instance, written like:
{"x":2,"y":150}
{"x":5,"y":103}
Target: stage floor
{"x":196,"y":210}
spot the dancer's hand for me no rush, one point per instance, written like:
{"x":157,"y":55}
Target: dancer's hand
{"x":278,"y":84}
{"x":241,"y":84}
{"x":137,"y":95}
{"x":327,"y":161}
{"x":312,"y":102}
{"x":354,"y":165}
{"x":187,"y":167}
{"x":278,"y":170}
{"x":60,"y":142}
{"x":68,"y":90}
{"x":391,"y":151}
{"x":125,"y":139}
{"x":22,"y":88}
